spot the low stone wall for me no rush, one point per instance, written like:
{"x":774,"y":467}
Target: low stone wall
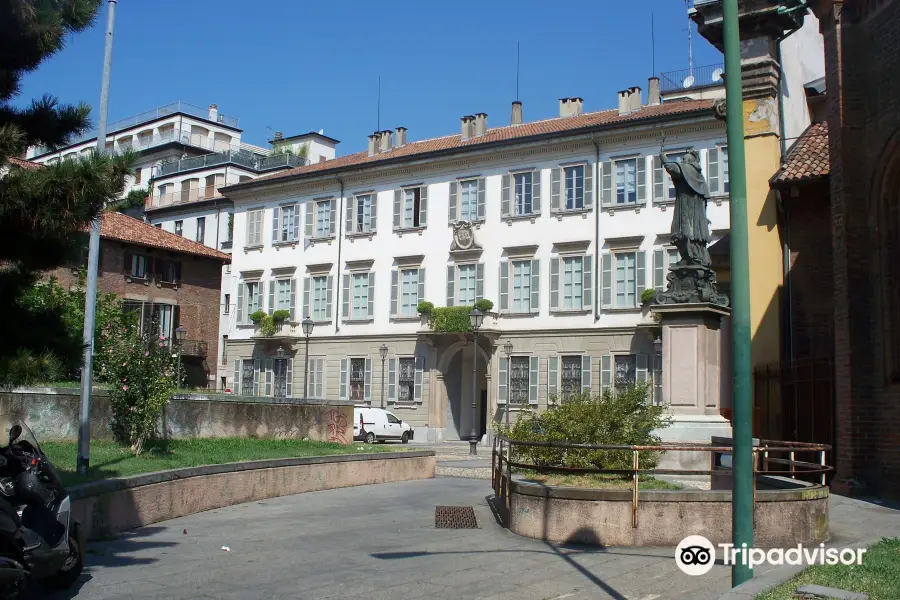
{"x":52,"y":413}
{"x":108,"y":507}
{"x":604,"y":517}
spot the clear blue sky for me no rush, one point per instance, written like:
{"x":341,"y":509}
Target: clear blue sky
{"x":284,"y":65}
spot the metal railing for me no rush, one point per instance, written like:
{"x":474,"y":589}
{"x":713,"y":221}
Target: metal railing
{"x":504,"y":457}
{"x":184,"y":196}
{"x":241,"y":158}
{"x":197,"y":348}
{"x":138,"y":143}
{"x":686,"y":79}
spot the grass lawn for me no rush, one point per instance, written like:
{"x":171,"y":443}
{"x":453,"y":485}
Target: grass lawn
{"x":600,"y":481}
{"x":878,"y":575}
{"x":109,"y":460}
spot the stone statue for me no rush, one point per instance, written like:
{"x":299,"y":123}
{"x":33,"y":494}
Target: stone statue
{"x":690,"y":280}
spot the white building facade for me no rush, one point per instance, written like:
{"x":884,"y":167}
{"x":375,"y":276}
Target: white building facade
{"x":562,"y":224}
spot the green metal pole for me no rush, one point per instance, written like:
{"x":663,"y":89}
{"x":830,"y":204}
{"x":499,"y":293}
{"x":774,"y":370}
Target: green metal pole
{"x":742,"y":494}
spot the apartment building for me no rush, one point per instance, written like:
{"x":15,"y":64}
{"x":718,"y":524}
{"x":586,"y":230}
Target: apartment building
{"x":561,"y":223}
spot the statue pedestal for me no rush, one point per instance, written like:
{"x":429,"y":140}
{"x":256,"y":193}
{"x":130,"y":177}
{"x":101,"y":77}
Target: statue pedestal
{"x":691,"y":284}
{"x":693,"y":357}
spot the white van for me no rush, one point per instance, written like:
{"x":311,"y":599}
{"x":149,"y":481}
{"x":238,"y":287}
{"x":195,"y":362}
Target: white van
{"x":377,"y":425}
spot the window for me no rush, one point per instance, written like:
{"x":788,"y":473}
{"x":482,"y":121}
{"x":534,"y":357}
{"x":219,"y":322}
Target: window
{"x":252,"y":294}
{"x":574,"y":177}
{"x":285,"y":223}
{"x":201,"y":229}
{"x":360,"y":308}
{"x":466,"y":288}
{"x":168,"y":271}
{"x":227,"y":303}
{"x":725,"y":180}
{"x":137,"y":265}
{"x":323,"y":218}
{"x":159,"y":319}
{"x":407,"y":380}
{"x":320,"y":298}
{"x":254,"y":227}
{"x":316,"y":384}
{"x":626,"y":369}
{"x":137,"y":176}
{"x":468,"y":200}
{"x":571,"y":376}
{"x":358,"y":379}
{"x":158,"y":225}
{"x":412,"y":207}
{"x":409,"y":292}
{"x":518,"y":379}
{"x":362,"y":221}
{"x":573,"y":282}
{"x":392,"y":419}
{"x":179,"y":227}
{"x":626,"y":280}
{"x":521,"y":292}
{"x":285,"y":295}
{"x":523,"y":191}
{"x":626,"y":181}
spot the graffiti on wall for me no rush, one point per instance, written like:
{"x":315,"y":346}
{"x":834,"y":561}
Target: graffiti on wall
{"x":337,"y":426}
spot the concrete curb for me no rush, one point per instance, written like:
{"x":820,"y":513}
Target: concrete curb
{"x":765,"y":582}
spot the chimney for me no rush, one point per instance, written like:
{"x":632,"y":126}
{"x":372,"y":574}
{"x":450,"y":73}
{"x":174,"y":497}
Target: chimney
{"x":401,"y":136}
{"x":653,"y":97}
{"x":564,"y":107}
{"x":279,"y":136}
{"x":214,"y":112}
{"x":570,"y":107}
{"x":374,"y":143}
{"x":516,"y":118}
{"x":387,"y":138}
{"x":480,"y":123}
{"x":634,"y":98}
{"x":467,"y":127}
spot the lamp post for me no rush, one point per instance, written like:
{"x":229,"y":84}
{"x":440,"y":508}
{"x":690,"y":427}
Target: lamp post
{"x":307,"y":324}
{"x":383,"y":351}
{"x":508,"y":350}
{"x":279,"y":355}
{"x":657,"y":358}
{"x":476,"y":317}
{"x":180,"y":332}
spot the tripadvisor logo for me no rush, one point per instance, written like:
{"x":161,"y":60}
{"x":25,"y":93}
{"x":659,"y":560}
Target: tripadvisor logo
{"x":695,"y":555}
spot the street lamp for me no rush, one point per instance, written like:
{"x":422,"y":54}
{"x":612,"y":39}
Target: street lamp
{"x":657,"y":358}
{"x":476,"y":317}
{"x":307,"y":324}
{"x":180,"y":332}
{"x":383,"y":351}
{"x":508,"y":350}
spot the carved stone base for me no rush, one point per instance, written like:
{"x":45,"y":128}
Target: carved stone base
{"x":691,"y":284}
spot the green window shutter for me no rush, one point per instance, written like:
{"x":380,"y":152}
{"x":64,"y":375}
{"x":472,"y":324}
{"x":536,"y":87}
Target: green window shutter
{"x":373,"y":213}
{"x":420,"y":374}
{"x":310,"y":220}
{"x":606,"y":184}
{"x":306,"y":303}
{"x":504,"y":198}
{"x":504,"y":285}
{"x":368,"y":380}
{"x":289,"y":377}
{"x":587,"y":298}
{"x":272,"y":284}
{"x":293,"y":299}
{"x":236,"y":382}
{"x":333,"y":218}
{"x":554,"y":190}
{"x":345,"y":305}
{"x":275,"y":214}
{"x":480,"y":206}
{"x":421,"y":292}
{"x":329,"y":296}
{"x":659,"y":183}
{"x":641,"y":178}
{"x":552,"y":379}
{"x":397,"y":207}
{"x":423,"y":206}
{"x":588,"y":185}
{"x":586,"y":374}
{"x":606,"y":372}
{"x":240,"y":303}
{"x":351,"y":204}
{"x":395,"y":274}
{"x":270,"y":371}
{"x":606,"y":280}
{"x":641,"y":368}
{"x":640,"y":275}
{"x":451,"y":206}
{"x":533,"y":373}
{"x":502,"y":389}
{"x":343,"y":389}
{"x":257,"y":366}
{"x":536,"y":192}
{"x":451,"y":284}
{"x":479,"y":281}
{"x":392,"y":380}
{"x":659,"y":269}
{"x":370,"y":297}
{"x":535,"y":286}
{"x":712,"y":170}
{"x":554,"y":284}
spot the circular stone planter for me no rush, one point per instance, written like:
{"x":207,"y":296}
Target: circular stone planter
{"x":782,"y":517}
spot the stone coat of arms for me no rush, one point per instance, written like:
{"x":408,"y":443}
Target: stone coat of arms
{"x":463,"y":236}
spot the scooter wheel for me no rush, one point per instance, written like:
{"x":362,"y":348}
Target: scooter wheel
{"x":72,"y":568}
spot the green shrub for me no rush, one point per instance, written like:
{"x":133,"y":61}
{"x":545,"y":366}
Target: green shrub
{"x":451,"y":319}
{"x":484,"y":305}
{"x":28,"y":368}
{"x":624,"y":418}
{"x":648,"y":295}
{"x":258,"y":316}
{"x":281,"y":315}
{"x":425,"y":308}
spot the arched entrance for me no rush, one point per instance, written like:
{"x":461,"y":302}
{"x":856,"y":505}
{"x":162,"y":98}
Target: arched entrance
{"x":455,"y":368}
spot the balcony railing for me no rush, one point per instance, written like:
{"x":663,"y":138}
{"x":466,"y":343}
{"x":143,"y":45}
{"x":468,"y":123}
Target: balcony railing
{"x":196,"y":348}
{"x":184,"y":196}
{"x":283,"y":329}
{"x":687,"y":79}
{"x":166,"y":136}
{"x":240,"y":158}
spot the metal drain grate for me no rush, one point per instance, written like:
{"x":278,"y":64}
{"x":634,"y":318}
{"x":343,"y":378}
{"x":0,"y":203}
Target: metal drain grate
{"x":455,"y":517}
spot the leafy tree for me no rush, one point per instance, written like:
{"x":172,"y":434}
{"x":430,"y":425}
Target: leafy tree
{"x":132,"y":199}
{"x":43,"y":210}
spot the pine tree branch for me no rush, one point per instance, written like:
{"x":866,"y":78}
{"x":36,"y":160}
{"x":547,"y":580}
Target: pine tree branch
{"x":45,"y":122}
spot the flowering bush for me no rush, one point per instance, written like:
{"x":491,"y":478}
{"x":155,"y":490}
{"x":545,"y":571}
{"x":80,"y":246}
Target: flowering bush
{"x":141,"y":371}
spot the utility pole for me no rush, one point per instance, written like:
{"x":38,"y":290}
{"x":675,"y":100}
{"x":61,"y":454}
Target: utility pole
{"x":742,"y":494}
{"x":90,"y":296}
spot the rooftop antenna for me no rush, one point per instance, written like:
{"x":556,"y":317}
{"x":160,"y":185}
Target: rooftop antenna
{"x":517,"y":71}
{"x":378,"y":128}
{"x":652,"y":46}
{"x":689,"y":80}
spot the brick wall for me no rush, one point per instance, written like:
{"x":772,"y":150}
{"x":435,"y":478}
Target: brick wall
{"x":197,"y":296}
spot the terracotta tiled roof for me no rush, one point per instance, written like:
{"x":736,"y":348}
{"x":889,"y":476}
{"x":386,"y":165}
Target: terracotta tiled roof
{"x":497,"y":134}
{"x":24,"y":164}
{"x":122,"y":228}
{"x":808,"y":159}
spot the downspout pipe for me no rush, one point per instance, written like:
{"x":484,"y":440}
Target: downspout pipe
{"x":597,"y":176}
{"x":340,"y":229}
